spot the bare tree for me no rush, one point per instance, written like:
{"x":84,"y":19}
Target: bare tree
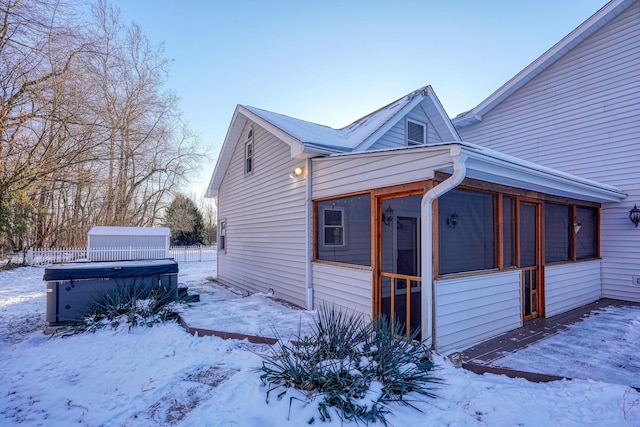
{"x":88,"y":133}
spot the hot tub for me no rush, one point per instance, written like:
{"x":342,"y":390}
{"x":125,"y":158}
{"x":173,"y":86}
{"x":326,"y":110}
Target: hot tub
{"x":73,"y":290}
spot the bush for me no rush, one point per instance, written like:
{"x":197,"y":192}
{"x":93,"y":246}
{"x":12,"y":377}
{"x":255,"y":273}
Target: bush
{"x":130,"y":307}
{"x":354,"y":367}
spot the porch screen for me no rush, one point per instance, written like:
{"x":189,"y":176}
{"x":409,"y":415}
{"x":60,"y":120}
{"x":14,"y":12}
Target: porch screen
{"x":343,"y":230}
{"x":467,"y":235}
{"x":587,"y":234}
{"x":557,"y":240}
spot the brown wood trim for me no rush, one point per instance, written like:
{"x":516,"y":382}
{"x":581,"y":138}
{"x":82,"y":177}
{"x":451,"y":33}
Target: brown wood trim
{"x":511,"y":373}
{"x":342,"y":196}
{"x":416,"y":187}
{"x":516,"y":233}
{"x":375,"y":256}
{"x":573,"y":237}
{"x":476,"y":184}
{"x":499,"y":246}
{"x":435,"y":268}
{"x":314,"y":230}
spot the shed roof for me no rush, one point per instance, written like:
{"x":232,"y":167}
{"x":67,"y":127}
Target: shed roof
{"x":129,"y":231}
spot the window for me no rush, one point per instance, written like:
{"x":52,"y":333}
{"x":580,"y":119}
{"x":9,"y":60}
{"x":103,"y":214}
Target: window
{"x":416,"y":133}
{"x":557,"y":237}
{"x":343,"y":230}
{"x":467,"y":233}
{"x":222,"y":236}
{"x":586,"y":229}
{"x":333,"y":226}
{"x":248,"y":153}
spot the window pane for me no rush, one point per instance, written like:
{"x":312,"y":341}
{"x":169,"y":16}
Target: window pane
{"x":587,"y":235}
{"x":343,"y":230}
{"x":466,"y":224}
{"x":332,"y":217}
{"x":557,"y":221}
{"x":415,"y":132}
{"x":508,"y":235}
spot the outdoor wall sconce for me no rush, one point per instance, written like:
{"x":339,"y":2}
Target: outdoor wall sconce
{"x":387,"y":216}
{"x":452,"y":221}
{"x":576,"y":227}
{"x":296,"y":172}
{"x":634,"y":215}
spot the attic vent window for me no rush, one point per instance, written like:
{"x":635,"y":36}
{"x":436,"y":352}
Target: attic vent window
{"x":248,"y":153}
{"x":416,"y":133}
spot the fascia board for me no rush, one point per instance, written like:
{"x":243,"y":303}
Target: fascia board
{"x":534,"y":177}
{"x":238,"y":122}
{"x":371,"y":139}
{"x":296,"y":146}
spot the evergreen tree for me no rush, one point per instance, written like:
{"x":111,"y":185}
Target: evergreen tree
{"x":185,"y":221}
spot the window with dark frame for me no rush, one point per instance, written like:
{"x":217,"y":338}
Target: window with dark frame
{"x":467,"y":233}
{"x":343,"y":230}
{"x":586,"y":229}
{"x":557,"y":233}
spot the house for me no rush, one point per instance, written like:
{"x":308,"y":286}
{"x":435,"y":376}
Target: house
{"x":411,"y":215}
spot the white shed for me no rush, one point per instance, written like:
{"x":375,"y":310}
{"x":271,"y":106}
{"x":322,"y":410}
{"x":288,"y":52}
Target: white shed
{"x":128,"y":243}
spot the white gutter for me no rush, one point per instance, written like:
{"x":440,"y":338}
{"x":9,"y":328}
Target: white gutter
{"x":428,"y":294}
{"x":309,"y":240}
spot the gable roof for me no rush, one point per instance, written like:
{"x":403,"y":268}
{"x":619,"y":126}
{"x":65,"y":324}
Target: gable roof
{"x":551,"y":56}
{"x":307,"y":139}
{"x":362,"y":133}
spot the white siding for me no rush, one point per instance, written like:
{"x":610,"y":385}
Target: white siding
{"x":348,"y":174}
{"x":475,"y":308}
{"x":582,"y":116}
{"x":348,"y":288}
{"x":265,"y":213}
{"x":571,"y":285}
{"x":397,"y":137}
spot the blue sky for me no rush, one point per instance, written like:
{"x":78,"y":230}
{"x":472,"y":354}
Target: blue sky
{"x":331,"y":61}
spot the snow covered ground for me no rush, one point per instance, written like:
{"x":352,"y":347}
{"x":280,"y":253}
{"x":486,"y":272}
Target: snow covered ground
{"x":164,"y":376}
{"x":603,"y":346}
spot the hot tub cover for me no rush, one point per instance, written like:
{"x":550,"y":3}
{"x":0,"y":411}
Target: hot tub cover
{"x":115,"y":269}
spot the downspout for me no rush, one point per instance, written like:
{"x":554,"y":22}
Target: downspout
{"x":309,"y":238}
{"x":428,"y":298}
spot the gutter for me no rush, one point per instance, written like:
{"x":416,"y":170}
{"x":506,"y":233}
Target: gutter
{"x":428,"y":298}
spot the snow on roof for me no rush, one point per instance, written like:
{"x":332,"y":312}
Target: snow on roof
{"x":129,"y":231}
{"x":338,"y":140}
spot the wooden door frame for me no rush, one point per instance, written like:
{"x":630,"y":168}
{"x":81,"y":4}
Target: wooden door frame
{"x":539,"y":253}
{"x":377,"y":199}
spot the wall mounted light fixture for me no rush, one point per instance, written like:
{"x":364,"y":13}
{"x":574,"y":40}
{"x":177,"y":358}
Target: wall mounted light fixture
{"x":576,"y":227}
{"x":452,"y":220}
{"x":387,"y":216}
{"x":634,"y":215}
{"x":296,"y":172}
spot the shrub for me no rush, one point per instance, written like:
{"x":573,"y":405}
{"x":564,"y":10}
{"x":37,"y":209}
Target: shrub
{"x":351,"y":366}
{"x":129,"y":306}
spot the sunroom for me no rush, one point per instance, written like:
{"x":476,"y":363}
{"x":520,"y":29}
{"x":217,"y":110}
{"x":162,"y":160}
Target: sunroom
{"x":458,"y":241}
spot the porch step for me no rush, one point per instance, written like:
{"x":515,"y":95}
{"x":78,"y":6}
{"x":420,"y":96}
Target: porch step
{"x":185,"y":296}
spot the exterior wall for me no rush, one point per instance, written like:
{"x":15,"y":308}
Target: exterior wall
{"x":265,"y":214}
{"x":472,"y":309}
{"x":349,"y":174}
{"x":348,"y":288}
{"x":581,"y":116}
{"x":397,"y":135}
{"x":571,"y":285}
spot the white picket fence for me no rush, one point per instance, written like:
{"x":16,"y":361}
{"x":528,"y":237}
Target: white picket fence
{"x":41,"y":256}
